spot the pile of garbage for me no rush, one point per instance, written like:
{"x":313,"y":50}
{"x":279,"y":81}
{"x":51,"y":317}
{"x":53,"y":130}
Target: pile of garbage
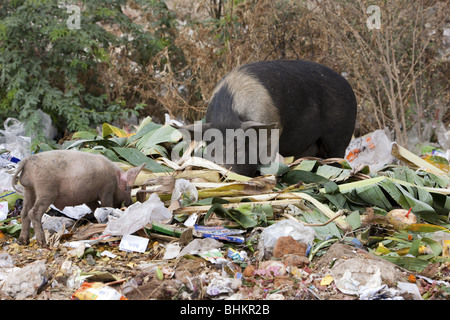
{"x":374,"y":225}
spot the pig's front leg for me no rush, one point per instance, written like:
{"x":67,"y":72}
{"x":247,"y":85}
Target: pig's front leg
{"x":93,"y":205}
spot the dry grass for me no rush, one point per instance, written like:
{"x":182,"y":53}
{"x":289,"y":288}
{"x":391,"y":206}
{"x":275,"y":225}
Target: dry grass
{"x":397,"y":74}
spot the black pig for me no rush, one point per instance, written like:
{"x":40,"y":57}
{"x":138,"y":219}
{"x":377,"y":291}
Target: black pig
{"x":312,"y":106}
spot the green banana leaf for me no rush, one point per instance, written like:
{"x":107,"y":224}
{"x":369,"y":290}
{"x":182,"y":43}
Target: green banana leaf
{"x":135,"y":157}
{"x":389,"y":193}
{"x":295,"y":176}
{"x":149,"y":143}
{"x":246,"y":216}
{"x":414,"y":261}
{"x":409,"y":263}
{"x":322,"y":232}
{"x":395,"y":187}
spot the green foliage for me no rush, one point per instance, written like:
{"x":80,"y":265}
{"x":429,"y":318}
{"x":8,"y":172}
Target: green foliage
{"x":47,"y":64}
{"x":136,"y":148}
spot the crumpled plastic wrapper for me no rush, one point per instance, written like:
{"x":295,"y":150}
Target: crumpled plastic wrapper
{"x":137,"y":216}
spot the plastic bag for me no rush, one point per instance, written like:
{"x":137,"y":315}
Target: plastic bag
{"x":5,"y":180}
{"x":47,"y":127}
{"x":184,"y":193}
{"x":3,"y":210}
{"x":102,"y":214}
{"x":97,"y":291}
{"x":137,"y":216}
{"x":373,"y":149}
{"x":183,"y":186}
{"x":200,"y":245}
{"x":220,"y":284}
{"x":73,"y":212}
{"x":56,"y":224}
{"x":421,"y":139}
{"x":284,"y":228}
{"x":14,"y":140}
{"x":443,"y":135}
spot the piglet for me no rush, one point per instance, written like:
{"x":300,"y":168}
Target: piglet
{"x":68,"y":178}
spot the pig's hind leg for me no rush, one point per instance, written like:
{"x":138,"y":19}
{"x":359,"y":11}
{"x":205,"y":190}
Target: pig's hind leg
{"x":35,"y":214}
{"x":28,"y":202}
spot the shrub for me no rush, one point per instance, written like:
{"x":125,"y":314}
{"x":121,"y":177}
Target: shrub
{"x":398,"y":74}
{"x":47,"y":63}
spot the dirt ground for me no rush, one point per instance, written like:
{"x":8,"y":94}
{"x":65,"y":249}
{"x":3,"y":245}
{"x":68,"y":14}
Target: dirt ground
{"x":146,"y":276}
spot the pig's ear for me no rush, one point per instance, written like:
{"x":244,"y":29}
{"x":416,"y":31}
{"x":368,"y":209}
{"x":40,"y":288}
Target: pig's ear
{"x":257,"y":125}
{"x":131,"y":175}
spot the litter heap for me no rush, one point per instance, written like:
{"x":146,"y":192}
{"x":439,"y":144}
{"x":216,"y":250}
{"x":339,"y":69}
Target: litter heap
{"x":306,"y":229}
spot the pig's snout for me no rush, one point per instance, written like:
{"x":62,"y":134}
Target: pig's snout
{"x":127,"y":202}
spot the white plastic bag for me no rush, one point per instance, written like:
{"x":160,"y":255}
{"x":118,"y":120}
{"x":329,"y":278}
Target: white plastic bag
{"x":183,"y":186}
{"x":137,"y":216}
{"x":197,"y":246}
{"x":186,"y":188}
{"x":373,"y":149}
{"x":3,"y":210}
{"x":102,"y":213}
{"x":56,"y":224}
{"x":5,"y":180}
{"x":75,"y":212}
{"x":284,"y":228}
{"x":14,"y":140}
